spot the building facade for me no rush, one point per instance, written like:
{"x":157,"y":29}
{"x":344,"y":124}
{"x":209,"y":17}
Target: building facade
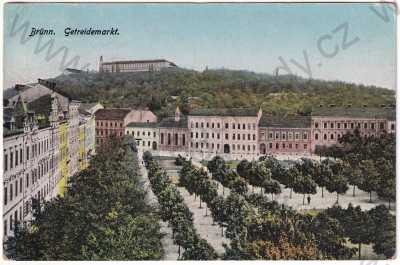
{"x":134,"y":66}
{"x":237,"y":134}
{"x":146,"y":135}
{"x":114,"y":121}
{"x":37,"y":145}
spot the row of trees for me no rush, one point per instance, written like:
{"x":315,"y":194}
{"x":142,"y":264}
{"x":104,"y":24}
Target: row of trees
{"x":174,"y":211}
{"x":103,"y":215}
{"x":333,"y":226}
{"x":261,"y":229}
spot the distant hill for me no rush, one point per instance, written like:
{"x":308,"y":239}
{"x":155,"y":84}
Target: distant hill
{"x":161,"y":91}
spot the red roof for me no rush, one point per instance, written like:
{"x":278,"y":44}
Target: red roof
{"x":111,"y":114}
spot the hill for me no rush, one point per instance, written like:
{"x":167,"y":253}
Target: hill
{"x":161,"y":91}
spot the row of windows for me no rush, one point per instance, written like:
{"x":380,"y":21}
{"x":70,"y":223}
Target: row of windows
{"x":13,"y":219}
{"x":112,"y":124}
{"x":234,"y":147}
{"x":287,"y":136}
{"x":351,"y":125}
{"x":15,"y":156}
{"x":286,"y":146}
{"x":138,"y":134}
{"x":176,"y":138}
{"x":11,"y":191}
{"x":234,"y":136}
{"x":227,"y":125}
{"x":107,"y":133}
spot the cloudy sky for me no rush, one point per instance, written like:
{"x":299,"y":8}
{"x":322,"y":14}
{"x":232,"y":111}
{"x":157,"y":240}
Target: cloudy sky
{"x":349,"y":42}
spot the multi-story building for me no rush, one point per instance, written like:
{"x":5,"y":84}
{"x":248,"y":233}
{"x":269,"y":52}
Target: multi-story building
{"x":134,"y":66}
{"x":285,"y":135}
{"x":247,"y":134}
{"x":232,"y":132}
{"x":328,"y":124}
{"x":145,"y":133}
{"x":114,"y":121}
{"x":36,"y":148}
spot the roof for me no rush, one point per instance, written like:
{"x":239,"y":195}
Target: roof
{"x":139,"y":61}
{"x":282,"y":121}
{"x":41,"y":105}
{"x":170,"y":122}
{"x":111,"y":114}
{"x":364,"y":112}
{"x":143,"y":124}
{"x":244,"y":112}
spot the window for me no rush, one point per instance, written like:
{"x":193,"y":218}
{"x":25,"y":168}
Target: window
{"x":27,"y":153}
{"x":212,"y":125}
{"x":218,"y":125}
{"x":175,"y":138}
{"x":325,"y":137}
{"x":183,"y":139}
{"x":316,"y":136}
{"x":276,"y":146}
{"x":244,"y":126}
{"x":283,"y":146}
{"x":345,"y":125}
{"x":270,"y":145}
{"x":162,"y":138}
{"x":372,"y":125}
{"x":305,"y":146}
{"x":197,"y":125}
{"x":11,"y":192}
{"x":254,"y":137}
{"x":365,"y":125}
{"x":316,"y":125}
{"x":208,"y":125}
{"x":238,"y":136}
{"x":392,"y":127}
{"x":332,"y":136}
{"x":238,"y":126}
{"x":270,"y":136}
{"x":191,"y":125}
{"x":16,"y":188}
{"x":5,"y":162}
{"x":325,"y":125}
{"x":11,"y":159}
{"x":217,"y":135}
{"x":381,"y":126}
{"x":226,"y":126}
{"x":202,"y":125}
{"x":197,"y":145}
{"x":5,"y":196}
{"x":338,"y":125}
{"x":332,"y":125}
{"x":233,"y":126}
{"x":226,"y":136}
{"x":305,"y":136}
{"x":352,"y":125}
{"x":5,"y":228}
{"x":169,"y":139}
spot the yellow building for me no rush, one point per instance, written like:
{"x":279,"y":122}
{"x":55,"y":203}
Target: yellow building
{"x":83,"y":163}
{"x":64,"y":156}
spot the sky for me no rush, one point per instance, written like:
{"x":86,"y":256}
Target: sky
{"x":350,"y":42}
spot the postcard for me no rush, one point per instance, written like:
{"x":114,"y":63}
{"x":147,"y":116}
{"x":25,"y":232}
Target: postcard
{"x":199,"y":131}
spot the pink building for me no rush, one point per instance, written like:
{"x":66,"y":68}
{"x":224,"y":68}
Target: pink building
{"x":285,"y":135}
{"x":114,"y":121}
{"x":328,"y":124}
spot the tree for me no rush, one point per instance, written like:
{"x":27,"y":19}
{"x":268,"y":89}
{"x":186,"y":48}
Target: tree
{"x":358,"y":227}
{"x":370,"y":175}
{"x":243,"y":168}
{"x":330,"y":237}
{"x":337,"y":183}
{"x":239,"y":186}
{"x":199,"y":250}
{"x":305,"y":185}
{"x":271,"y":187}
{"x":353,"y":175}
{"x":384,"y":231}
{"x":321,"y":175}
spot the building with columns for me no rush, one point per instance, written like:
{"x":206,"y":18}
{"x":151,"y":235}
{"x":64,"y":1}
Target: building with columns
{"x":134,"y":65}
